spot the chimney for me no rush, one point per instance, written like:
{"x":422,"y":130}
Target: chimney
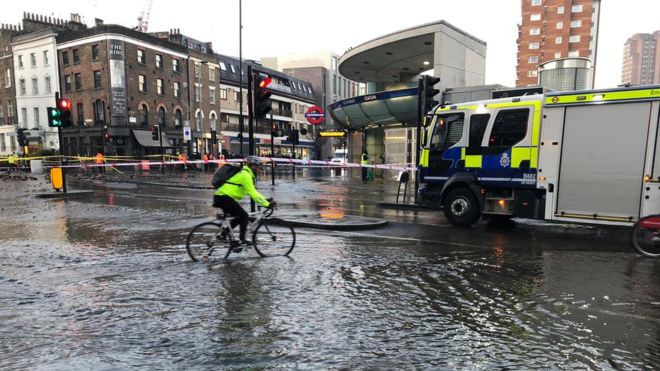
{"x":98,"y":22}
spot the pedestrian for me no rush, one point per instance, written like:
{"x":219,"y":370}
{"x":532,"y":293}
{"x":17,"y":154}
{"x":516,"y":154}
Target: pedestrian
{"x":100,"y":162}
{"x":184,"y":160}
{"x":205,"y":164}
{"x":13,"y":162}
{"x":364,"y":161}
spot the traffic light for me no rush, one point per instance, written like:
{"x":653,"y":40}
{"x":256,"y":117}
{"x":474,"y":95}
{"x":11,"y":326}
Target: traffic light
{"x":155,"y":133}
{"x":54,"y":117}
{"x":64,"y":106}
{"x":261,"y":96}
{"x":294,"y":137}
{"x":428,"y":92}
{"x":21,"y":138}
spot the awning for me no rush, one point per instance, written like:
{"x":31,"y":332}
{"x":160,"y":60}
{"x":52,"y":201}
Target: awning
{"x":380,"y":109}
{"x":144,"y":137}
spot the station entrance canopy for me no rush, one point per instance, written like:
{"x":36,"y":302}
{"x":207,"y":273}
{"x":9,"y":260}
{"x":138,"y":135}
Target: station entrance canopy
{"x":385,"y":108}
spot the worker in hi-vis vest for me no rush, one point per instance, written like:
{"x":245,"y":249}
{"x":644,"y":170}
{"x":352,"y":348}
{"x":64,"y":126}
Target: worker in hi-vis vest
{"x":364,"y":161}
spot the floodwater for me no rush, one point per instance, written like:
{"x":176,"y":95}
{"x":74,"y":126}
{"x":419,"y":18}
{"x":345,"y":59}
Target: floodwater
{"x":102,"y":281}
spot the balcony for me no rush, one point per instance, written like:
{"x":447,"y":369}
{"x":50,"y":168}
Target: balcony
{"x":282,"y":112}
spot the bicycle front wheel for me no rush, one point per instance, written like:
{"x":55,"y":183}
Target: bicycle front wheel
{"x":274,"y":237}
{"x":204,"y":240}
{"x":646,"y":240}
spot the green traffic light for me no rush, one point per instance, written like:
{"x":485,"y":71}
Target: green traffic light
{"x":54,"y":117}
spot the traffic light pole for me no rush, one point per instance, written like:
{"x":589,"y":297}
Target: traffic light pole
{"x":251,"y":120}
{"x":272,"y":150}
{"x":162,"y":155}
{"x":421,"y":95}
{"x":293,"y":149}
{"x":59,"y":137}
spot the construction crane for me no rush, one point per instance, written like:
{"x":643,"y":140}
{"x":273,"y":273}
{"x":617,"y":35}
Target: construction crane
{"x":143,"y":19}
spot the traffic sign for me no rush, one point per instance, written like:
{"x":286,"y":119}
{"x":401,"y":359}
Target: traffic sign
{"x":315,"y":115}
{"x":186,"y":133}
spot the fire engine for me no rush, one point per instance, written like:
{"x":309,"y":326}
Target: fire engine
{"x":580,"y":156}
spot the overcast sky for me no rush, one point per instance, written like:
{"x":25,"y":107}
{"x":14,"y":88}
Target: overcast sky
{"x":272,"y":27}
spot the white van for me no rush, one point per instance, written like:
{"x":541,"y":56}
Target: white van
{"x":340,"y":157}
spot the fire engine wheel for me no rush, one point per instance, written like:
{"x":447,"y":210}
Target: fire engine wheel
{"x":461,"y":207}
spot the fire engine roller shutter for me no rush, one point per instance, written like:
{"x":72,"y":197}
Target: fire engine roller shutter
{"x":602,"y":160}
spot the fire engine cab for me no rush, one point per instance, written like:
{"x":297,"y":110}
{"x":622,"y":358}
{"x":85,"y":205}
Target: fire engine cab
{"x":580,"y":156}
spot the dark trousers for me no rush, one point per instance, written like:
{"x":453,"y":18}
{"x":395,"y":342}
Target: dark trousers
{"x":230,"y":207}
{"x":364,"y":173}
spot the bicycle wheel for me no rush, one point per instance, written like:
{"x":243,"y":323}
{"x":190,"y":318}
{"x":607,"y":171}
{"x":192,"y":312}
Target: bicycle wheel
{"x":273,"y":237}
{"x":645,"y":237}
{"x":204,"y":240}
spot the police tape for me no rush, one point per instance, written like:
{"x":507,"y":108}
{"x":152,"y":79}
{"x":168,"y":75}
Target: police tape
{"x":277,"y":160}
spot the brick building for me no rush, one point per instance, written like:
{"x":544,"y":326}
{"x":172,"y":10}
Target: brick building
{"x":555,"y":29}
{"x":124,"y":81}
{"x":640,"y":59}
{"x":8,"y":142}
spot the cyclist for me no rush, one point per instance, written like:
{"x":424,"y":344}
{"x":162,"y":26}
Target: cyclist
{"x":233,"y":190}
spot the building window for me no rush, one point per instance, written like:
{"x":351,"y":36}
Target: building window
{"x":35,"y":112}
{"x":2,"y":122}
{"x":560,"y":25}
{"x":223,"y":94}
{"x":533,"y":45}
{"x":574,"y":53}
{"x":535,"y":31}
{"x":78,"y":80}
{"x":159,"y":61}
{"x":21,"y":86}
{"x":535,"y":17}
{"x":198,"y":70}
{"x":223,"y":66}
{"x":212,"y":96}
{"x":536,"y":2}
{"x":95,"y":52}
{"x":198,"y":93}
{"x":558,"y":40}
{"x":49,"y":88}
{"x":143,"y":113}
{"x":576,"y":23}
{"x":46,"y":61}
{"x":532,"y":73}
{"x":97,"y":79}
{"x":576,"y":8}
{"x":35,"y":86}
{"x":175,"y":65}
{"x":24,"y":117}
{"x":557,"y":55}
{"x":8,"y":78}
{"x":233,"y":69}
{"x":99,"y":111}
{"x":142,"y":83}
{"x":175,"y":89}
{"x":198,"y":121}
{"x":76,"y":56}
{"x":160,"y":89}
{"x":140,"y":56}
{"x":65,"y":58}
{"x":161,"y":116}
{"x":560,"y":9}
{"x":20,"y":61}
{"x":10,"y":113}
{"x":177,"y":117}
{"x":574,"y":39}
{"x":236,"y":97}
{"x":81,"y":113}
{"x":211,"y":74}
{"x":67,"y":83}
{"x":533,"y":59}
{"x":33,"y":60}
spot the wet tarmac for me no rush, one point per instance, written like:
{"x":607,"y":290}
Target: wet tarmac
{"x":102,"y":281}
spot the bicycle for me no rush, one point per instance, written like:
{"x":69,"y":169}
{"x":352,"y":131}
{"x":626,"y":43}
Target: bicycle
{"x":645,"y":236}
{"x":270,"y":236}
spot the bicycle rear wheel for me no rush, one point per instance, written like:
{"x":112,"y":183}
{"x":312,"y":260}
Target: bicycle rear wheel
{"x":273,"y":237}
{"x":205,"y":240}
{"x":646,"y":238}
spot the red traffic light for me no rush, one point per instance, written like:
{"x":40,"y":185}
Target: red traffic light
{"x":64,"y":104}
{"x":265,"y":82}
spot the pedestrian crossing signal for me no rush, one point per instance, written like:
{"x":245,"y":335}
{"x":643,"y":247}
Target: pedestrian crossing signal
{"x":54,"y":117}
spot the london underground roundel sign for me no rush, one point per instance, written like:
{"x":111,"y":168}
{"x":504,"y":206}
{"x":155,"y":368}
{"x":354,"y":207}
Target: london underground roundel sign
{"x":315,"y":115}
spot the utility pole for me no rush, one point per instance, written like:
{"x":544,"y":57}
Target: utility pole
{"x":272,"y":149}
{"x":241,"y":123}
{"x":251,"y":118}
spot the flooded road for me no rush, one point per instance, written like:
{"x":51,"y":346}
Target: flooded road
{"x":102,"y":281}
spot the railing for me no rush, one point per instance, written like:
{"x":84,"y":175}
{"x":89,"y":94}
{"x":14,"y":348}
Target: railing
{"x":282,"y":112}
